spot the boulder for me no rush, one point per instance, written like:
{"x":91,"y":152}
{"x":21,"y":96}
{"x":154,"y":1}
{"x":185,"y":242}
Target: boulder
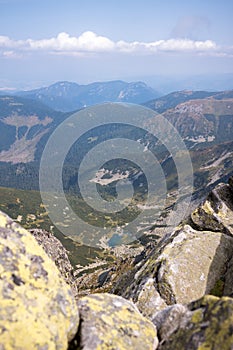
{"x":187,"y":266}
{"x":38,"y":309}
{"x":111,"y":322}
{"x":203,"y":324}
{"x":192,"y":264}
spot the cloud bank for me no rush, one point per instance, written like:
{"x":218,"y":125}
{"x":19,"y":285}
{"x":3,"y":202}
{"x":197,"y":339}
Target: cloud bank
{"x":89,"y":42}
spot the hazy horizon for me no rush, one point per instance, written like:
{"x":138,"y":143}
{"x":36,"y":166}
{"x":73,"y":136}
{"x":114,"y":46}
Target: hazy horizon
{"x":41,"y":43}
{"x":161,"y":84}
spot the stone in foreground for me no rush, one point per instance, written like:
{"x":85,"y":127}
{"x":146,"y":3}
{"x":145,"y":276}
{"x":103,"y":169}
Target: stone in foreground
{"x":111,"y":322}
{"x":38,"y":310}
{"x":203,"y":324}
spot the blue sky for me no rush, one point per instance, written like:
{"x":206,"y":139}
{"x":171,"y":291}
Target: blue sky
{"x":88,"y":40}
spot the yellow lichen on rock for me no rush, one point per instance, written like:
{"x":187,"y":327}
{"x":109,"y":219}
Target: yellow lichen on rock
{"x":206,"y":324}
{"x":111,"y":322}
{"x":38,"y":310}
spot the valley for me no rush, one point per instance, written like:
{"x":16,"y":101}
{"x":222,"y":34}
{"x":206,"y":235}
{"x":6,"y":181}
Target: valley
{"x":26,"y":208}
{"x":116,"y":175}
{"x":204,"y":120}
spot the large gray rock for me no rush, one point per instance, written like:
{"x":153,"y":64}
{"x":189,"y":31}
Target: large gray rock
{"x":38,"y":309}
{"x":186,"y":268}
{"x":192,"y":264}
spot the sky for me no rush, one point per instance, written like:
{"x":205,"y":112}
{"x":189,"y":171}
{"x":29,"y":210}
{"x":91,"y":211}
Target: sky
{"x":97,"y":40}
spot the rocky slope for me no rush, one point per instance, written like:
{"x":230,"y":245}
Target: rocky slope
{"x":167,"y":284}
{"x":201,"y":118}
{"x":200,"y":250}
{"x":194,"y":260}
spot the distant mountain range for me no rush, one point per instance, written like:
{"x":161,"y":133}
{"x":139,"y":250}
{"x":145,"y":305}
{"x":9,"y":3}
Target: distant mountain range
{"x":203,"y":119}
{"x":66,"y":96}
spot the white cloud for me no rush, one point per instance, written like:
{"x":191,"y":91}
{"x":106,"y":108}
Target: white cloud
{"x":167,"y":45}
{"x":6,"y":42}
{"x":89,"y":42}
{"x":11,"y":54}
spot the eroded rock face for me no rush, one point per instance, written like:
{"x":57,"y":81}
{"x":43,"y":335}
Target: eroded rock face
{"x":203,"y":324}
{"x":38,"y":310}
{"x":111,"y":322}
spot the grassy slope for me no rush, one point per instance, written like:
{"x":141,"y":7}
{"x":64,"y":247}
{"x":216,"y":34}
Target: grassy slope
{"x":27,"y":207}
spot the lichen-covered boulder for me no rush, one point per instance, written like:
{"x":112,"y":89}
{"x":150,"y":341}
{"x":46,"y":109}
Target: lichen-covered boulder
{"x":38,"y":310}
{"x":203,"y":324}
{"x":111,"y":322}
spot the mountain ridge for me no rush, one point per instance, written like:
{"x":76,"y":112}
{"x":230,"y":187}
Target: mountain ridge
{"x":27,"y":124}
{"x":69,"y":96}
